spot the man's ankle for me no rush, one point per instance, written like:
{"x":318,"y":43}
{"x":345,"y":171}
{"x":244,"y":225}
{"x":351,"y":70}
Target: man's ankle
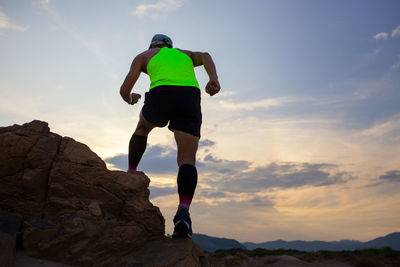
{"x":181,"y":208}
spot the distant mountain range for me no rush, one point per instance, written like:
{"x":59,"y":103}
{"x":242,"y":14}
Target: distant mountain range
{"x":211,"y":244}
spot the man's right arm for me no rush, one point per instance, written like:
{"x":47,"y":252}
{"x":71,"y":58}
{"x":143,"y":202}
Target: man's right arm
{"x":131,"y":78}
{"x":200,"y":58}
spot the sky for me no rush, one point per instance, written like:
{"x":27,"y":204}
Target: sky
{"x":302,"y":142}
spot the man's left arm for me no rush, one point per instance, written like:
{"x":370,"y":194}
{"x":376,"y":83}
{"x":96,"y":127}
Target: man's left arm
{"x":204,"y":58}
{"x":131,"y":79}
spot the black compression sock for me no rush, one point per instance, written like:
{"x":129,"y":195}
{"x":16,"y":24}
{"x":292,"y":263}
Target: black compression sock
{"x":137,"y":146}
{"x":187,"y":181}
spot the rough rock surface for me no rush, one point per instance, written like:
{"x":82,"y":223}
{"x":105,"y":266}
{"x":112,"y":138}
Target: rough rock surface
{"x":23,"y":260}
{"x":10,"y":225}
{"x":271,"y":261}
{"x":181,"y":253}
{"x":74,"y":209}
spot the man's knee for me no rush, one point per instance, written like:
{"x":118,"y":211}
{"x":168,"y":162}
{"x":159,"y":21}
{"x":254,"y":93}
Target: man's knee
{"x":187,"y":160}
{"x":142,"y":129}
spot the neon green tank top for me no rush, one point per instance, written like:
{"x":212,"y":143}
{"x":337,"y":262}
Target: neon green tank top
{"x":171,"y":67}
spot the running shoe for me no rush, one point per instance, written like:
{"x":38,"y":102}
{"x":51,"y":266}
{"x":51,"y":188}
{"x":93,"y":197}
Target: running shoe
{"x":182,"y":224}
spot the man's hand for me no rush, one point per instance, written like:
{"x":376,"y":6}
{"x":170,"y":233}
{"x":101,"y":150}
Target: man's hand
{"x":213,"y":87}
{"x":134,"y":98}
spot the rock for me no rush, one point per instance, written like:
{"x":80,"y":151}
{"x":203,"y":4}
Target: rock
{"x":75,"y":210}
{"x":241,"y":259}
{"x":166,"y":252}
{"x":23,"y":260}
{"x":10,"y":225}
{"x":7,"y":252}
{"x":26,"y":155}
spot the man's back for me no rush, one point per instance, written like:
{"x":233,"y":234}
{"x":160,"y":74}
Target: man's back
{"x":150,"y":53}
{"x":171,"y":66}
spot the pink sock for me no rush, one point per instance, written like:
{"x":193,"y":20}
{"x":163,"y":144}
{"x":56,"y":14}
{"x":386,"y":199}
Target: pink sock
{"x":132,"y":167}
{"x":185,"y":201}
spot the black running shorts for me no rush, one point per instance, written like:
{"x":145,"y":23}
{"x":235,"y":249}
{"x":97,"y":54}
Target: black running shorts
{"x":178,"y":105}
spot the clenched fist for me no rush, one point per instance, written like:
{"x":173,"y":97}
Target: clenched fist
{"x":134,"y":98}
{"x":213,"y":87}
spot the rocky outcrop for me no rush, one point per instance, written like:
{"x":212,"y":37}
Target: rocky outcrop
{"x":273,"y":261}
{"x":181,"y":252}
{"x":10,"y":224}
{"x":74,"y":209}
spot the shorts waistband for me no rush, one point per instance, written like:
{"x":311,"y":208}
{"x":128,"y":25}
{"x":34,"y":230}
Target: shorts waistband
{"x":175,"y":88}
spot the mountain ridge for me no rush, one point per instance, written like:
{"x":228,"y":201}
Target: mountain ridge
{"x":212,"y":244}
{"x":391,"y":240}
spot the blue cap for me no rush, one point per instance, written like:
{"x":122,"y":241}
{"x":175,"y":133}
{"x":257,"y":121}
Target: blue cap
{"x":161,"y":39}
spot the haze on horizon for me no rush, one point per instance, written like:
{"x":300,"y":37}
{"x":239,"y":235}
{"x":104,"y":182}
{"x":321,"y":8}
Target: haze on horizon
{"x":303,"y":142}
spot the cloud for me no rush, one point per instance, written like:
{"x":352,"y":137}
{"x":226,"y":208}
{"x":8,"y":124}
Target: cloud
{"x":218,"y":166}
{"x":206,"y":143}
{"x":388,"y":129}
{"x":251,"y":105}
{"x":162,"y":191}
{"x":260,"y":201}
{"x":392,"y":176}
{"x":221,"y":176}
{"x":119,"y":161}
{"x":396,"y":32}
{"x":5,"y":24}
{"x":157,"y":9}
{"x":156,"y":159}
{"x":211,"y":193}
{"x":385,"y":35}
{"x":162,"y":160}
{"x":283,"y":175}
{"x":381,"y":36}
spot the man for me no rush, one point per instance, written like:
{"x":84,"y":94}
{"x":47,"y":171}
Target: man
{"x":174,"y":98}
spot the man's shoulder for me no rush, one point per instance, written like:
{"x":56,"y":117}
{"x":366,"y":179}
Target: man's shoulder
{"x":145,"y":56}
{"x":187,"y":52}
{"x":148,"y":52}
{"x":184,"y":50}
